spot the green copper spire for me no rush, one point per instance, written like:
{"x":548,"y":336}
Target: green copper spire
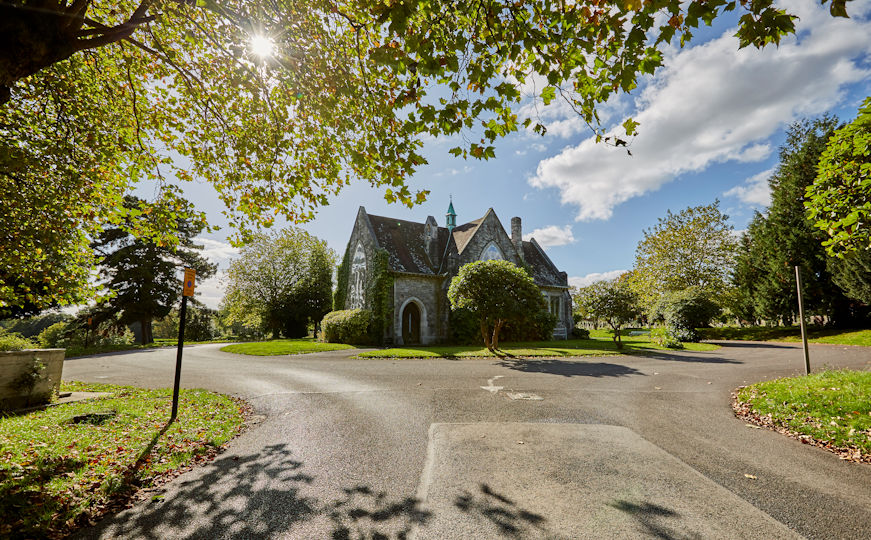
{"x":451,"y":216}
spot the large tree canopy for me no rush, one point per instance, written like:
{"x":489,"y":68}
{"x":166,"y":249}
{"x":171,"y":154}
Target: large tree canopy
{"x":100,"y":96}
{"x":692,"y":248}
{"x":282,"y":281}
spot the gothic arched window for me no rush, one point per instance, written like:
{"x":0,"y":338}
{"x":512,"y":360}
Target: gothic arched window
{"x":492,"y":252}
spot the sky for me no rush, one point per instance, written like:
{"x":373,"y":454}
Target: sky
{"x":711,"y":121}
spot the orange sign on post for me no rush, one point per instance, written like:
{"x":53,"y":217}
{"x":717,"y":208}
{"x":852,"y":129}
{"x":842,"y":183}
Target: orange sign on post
{"x":190,"y":277}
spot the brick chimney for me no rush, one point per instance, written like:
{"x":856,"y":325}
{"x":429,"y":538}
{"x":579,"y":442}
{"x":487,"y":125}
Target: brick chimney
{"x":517,"y":236}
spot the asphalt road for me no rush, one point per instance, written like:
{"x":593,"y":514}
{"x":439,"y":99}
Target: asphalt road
{"x":600,"y":447}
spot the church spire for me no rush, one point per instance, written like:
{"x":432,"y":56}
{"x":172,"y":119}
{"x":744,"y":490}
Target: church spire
{"x":451,"y":220}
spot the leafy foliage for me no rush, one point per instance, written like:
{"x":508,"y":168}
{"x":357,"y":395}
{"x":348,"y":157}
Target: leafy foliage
{"x":852,"y":273}
{"x":15,"y":342}
{"x":693,"y":248}
{"x":282,"y":280}
{"x":612,"y":302}
{"x":144,"y":275}
{"x":687,"y":310}
{"x":839,"y":200}
{"x":667,"y":337}
{"x":784,"y":237}
{"x":100,"y":96}
{"x":349,"y":326}
{"x":32,"y":326}
{"x":497,"y":292}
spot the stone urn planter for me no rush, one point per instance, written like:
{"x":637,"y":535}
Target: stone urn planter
{"x":29,"y":377}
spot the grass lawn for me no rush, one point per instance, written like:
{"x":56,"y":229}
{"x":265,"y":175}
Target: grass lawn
{"x":56,"y":475}
{"x":599,"y":344}
{"x":789,"y":333}
{"x":830,"y":409}
{"x":284,"y":346}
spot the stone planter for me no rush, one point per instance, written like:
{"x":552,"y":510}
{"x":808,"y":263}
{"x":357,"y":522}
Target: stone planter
{"x":29,"y":377}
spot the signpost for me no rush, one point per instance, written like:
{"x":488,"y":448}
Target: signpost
{"x":807,"y":359}
{"x":190,"y":277}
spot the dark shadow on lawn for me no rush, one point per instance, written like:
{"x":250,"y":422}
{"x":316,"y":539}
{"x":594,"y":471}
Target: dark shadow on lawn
{"x":650,"y":517}
{"x":509,"y":519}
{"x":568,"y":368}
{"x":258,"y":496}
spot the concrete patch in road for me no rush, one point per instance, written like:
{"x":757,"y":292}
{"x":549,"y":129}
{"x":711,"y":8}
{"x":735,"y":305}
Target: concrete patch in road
{"x":525,"y":396}
{"x":520,"y":480}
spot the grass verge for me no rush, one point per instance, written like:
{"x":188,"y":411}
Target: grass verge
{"x":596,"y":346}
{"x":829,"y":409}
{"x":277,"y":347}
{"x":789,"y":333}
{"x":56,"y":475}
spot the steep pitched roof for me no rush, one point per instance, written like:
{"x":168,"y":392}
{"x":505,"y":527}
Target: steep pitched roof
{"x":544,"y":272}
{"x":405,"y":242}
{"x":463,"y":233}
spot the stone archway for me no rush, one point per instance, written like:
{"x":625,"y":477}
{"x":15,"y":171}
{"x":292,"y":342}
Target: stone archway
{"x":411,"y":324}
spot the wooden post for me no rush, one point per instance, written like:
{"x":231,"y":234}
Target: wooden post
{"x":807,"y":359}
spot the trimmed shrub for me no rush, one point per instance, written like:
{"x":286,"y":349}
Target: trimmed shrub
{"x":537,"y":327}
{"x":465,"y":327}
{"x":15,"y":342}
{"x":54,"y":336}
{"x":349,"y":326}
{"x":667,"y":337}
{"x":686,"y":310}
{"x":580,"y":333}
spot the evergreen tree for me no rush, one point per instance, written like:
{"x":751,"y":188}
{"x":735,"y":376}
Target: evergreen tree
{"x":784,"y":237}
{"x":852,"y":273}
{"x":145,"y":276}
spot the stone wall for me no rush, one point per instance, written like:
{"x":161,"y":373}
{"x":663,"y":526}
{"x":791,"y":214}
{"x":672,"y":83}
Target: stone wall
{"x":363,"y":235}
{"x":566,"y":322}
{"x":490,"y":230}
{"x":431,"y":299}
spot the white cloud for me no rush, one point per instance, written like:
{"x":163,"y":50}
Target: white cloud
{"x":552,"y":236}
{"x":589,"y":279}
{"x":713,"y":103}
{"x":755,"y":190}
{"x":210,"y":291}
{"x":215,"y":250}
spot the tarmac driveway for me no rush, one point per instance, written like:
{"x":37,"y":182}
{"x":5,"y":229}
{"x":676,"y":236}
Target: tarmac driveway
{"x":599,"y":447}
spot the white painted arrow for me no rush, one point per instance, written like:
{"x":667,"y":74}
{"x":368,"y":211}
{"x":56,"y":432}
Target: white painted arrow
{"x":490,"y":388}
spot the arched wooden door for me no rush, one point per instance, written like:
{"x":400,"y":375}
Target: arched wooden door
{"x":411,"y":324}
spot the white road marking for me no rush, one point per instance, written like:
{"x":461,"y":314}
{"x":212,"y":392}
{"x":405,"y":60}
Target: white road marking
{"x":490,"y":388}
{"x":525,"y":396}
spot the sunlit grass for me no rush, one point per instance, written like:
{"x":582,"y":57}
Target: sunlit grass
{"x":831,"y":406}
{"x":278,"y":347}
{"x":789,"y":333}
{"x":55,"y":474}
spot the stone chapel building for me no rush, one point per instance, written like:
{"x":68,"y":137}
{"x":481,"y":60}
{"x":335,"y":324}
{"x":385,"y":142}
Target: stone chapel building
{"x":421,"y":259}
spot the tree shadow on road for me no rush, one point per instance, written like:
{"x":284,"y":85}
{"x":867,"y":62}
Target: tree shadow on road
{"x":258,"y":495}
{"x":684,"y":357}
{"x":509,"y":519}
{"x":754,"y":344}
{"x":650,"y":517}
{"x":568,"y":368}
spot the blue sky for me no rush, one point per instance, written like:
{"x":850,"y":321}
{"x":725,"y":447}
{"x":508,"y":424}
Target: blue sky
{"x":711,"y":122}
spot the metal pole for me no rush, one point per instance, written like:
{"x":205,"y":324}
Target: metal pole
{"x":184,"y":305}
{"x":807,"y":359}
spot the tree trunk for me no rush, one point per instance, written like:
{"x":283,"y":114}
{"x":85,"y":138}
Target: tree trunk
{"x":145,"y":329}
{"x":617,"y":338}
{"x":496,"y":328}
{"x":485,"y":333}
